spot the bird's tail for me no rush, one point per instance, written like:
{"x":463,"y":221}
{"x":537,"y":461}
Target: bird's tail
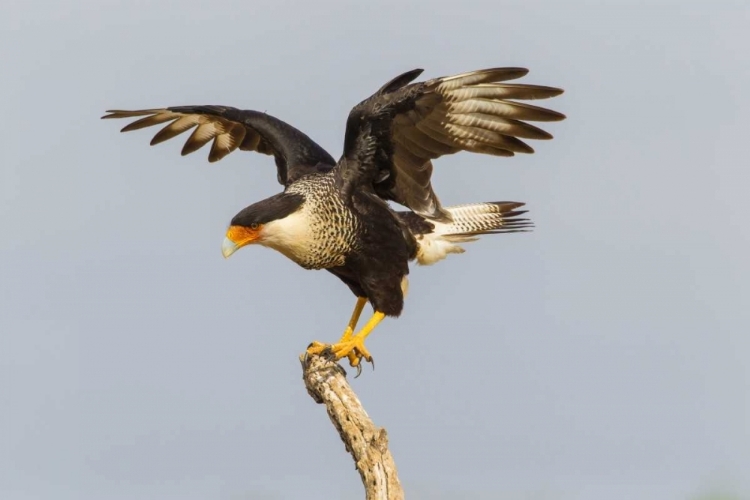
{"x":438,"y":239}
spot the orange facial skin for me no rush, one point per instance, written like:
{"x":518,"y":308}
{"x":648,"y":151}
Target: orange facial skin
{"x":239,"y":236}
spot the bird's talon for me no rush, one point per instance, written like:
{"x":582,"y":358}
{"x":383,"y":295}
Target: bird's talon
{"x":353,"y":349}
{"x":317,"y":349}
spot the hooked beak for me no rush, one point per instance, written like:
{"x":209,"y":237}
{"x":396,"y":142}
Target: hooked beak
{"x":237,"y":237}
{"x":228,"y":247}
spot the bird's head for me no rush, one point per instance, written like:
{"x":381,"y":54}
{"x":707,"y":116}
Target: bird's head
{"x":259,"y":223}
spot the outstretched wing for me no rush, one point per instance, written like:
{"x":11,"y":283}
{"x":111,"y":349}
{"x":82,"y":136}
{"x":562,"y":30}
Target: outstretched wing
{"x":230,"y":129}
{"x":392,"y":136}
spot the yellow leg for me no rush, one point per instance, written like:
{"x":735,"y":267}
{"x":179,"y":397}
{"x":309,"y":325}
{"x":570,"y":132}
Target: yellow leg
{"x":348,"y":332}
{"x":353,"y":347}
{"x":361,"y":301}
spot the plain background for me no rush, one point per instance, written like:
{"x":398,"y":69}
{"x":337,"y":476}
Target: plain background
{"x":603,"y":356}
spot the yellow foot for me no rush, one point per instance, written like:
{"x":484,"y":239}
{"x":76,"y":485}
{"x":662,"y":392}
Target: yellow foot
{"x":349,"y":347}
{"x":353,"y":357}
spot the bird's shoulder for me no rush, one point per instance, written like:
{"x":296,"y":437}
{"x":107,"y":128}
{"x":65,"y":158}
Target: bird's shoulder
{"x":383,"y":105}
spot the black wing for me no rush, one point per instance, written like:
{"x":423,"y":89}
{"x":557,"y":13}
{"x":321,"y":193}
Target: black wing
{"x":230,"y":129}
{"x":392,"y":136}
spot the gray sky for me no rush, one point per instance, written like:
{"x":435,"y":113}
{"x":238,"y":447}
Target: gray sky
{"x":605,"y":355}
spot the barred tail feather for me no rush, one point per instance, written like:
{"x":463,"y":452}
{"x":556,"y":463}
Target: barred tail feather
{"x":438,"y":239}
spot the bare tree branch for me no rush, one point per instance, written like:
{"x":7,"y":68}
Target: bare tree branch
{"x":326,"y":383}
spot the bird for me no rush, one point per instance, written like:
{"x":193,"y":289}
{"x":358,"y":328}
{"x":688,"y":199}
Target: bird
{"x":340,"y":215}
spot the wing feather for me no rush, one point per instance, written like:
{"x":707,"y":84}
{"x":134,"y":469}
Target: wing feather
{"x":201,"y":136}
{"x":226,"y":143}
{"x":509,"y":109}
{"x":149,"y":121}
{"x":230,"y":129}
{"x":402,"y":129}
{"x":503,"y":91}
{"x":177,"y":127}
{"x":505,"y":126}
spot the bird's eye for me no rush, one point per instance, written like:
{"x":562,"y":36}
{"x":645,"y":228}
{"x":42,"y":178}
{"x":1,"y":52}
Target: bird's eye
{"x":254,"y":226}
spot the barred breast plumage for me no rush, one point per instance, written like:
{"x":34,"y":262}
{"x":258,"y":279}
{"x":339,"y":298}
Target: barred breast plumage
{"x":322,"y":232}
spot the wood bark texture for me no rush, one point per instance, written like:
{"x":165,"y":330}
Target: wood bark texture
{"x":326,"y":383}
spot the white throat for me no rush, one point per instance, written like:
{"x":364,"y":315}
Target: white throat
{"x":291,"y":236}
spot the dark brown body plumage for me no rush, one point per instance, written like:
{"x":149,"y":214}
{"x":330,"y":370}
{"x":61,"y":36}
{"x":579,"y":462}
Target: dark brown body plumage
{"x":381,"y":262}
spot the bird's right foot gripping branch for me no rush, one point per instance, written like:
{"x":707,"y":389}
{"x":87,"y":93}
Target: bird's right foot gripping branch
{"x":350,"y":345}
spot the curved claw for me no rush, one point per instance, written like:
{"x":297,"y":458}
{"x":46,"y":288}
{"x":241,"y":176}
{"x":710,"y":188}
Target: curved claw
{"x":317,"y":348}
{"x":358,"y":364}
{"x":306,"y":356}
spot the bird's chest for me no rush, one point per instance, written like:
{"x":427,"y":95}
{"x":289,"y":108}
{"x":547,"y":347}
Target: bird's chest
{"x":317,"y":236}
